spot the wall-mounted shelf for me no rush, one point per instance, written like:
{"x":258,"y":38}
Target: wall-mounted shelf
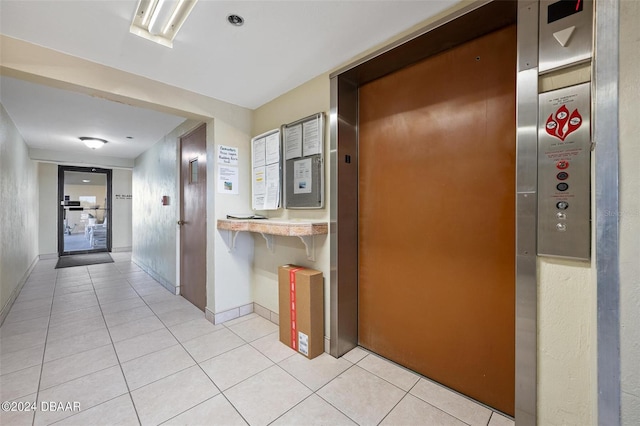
{"x":304,"y":230}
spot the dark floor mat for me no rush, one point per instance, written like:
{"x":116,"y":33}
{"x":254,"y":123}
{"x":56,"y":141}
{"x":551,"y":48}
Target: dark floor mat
{"x":83,"y":260}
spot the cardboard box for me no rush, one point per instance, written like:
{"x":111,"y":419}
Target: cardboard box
{"x":301,"y":303}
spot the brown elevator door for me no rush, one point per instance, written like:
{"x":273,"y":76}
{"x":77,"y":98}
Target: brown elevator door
{"x":436,"y":221}
{"x":193,"y":211}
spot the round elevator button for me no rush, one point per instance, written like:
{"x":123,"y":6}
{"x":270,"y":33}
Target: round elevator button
{"x":562,"y":164}
{"x":562,"y":205}
{"x":562,"y":186}
{"x":562,"y":175}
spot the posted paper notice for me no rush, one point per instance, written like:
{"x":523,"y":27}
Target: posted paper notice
{"x":227,"y":180}
{"x":302,"y":182}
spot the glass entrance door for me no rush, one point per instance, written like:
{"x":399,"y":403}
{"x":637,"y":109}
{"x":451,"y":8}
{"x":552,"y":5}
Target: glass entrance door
{"x":84,"y":220}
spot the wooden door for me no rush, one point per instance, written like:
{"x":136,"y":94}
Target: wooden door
{"x":193,"y":261}
{"x":437,"y":159}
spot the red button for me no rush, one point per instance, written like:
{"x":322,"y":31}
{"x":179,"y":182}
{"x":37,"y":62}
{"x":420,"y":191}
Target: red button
{"x":562,"y":164}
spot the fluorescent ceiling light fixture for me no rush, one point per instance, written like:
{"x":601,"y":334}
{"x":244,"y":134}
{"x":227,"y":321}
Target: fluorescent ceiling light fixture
{"x":86,"y":180}
{"x":160,"y":20}
{"x":93,"y":143}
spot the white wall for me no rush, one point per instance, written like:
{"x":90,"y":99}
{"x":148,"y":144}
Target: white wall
{"x":122,"y":209}
{"x":48,"y":207}
{"x":18,"y":212}
{"x":229,"y":281}
{"x":629,"y":213}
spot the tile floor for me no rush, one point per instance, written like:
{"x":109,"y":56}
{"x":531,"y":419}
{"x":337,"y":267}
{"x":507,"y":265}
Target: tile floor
{"x":113,"y":340}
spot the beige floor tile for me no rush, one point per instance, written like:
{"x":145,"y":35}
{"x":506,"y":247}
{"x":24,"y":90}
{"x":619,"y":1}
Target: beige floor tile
{"x":27,"y":295}
{"x":75,"y":317}
{"x":317,"y":372}
{"x":75,"y":328}
{"x":232,"y":367}
{"x":144,"y":344}
{"x":121,"y":317}
{"x":355,"y":355}
{"x":88,"y":296}
{"x":216,"y":411}
{"x":172,"y":395}
{"x":72,"y":345}
{"x":135,"y":328}
{"x":212,"y":344}
{"x":241,"y":319}
{"x":17,"y":417}
{"x":74,"y":289}
{"x":178,"y":302}
{"x":362,"y":396}
{"x":458,"y":406}
{"x":19,"y":383}
{"x":16,"y":316}
{"x":254,"y":329}
{"x":123,"y":305}
{"x":180,"y":315}
{"x":156,"y":296}
{"x":72,"y":367}
{"x":192,"y":329}
{"x":118,"y":411}
{"x":273,"y":348}
{"x":313,"y":411}
{"x":22,"y":327}
{"x":19,"y":360}
{"x":392,"y":373}
{"x":500,"y":420}
{"x":266,"y":396}
{"x":149,"y":368}
{"x":43,"y":304}
{"x":414,"y":411}
{"x":22,"y":341}
{"x":89,"y":391}
{"x":73,"y":282}
{"x":73,"y":305}
{"x":105,"y":299}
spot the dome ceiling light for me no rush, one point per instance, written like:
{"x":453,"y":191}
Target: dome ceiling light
{"x":93,"y":143}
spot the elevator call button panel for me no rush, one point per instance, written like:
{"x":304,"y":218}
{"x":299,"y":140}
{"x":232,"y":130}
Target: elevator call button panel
{"x":564,"y":173}
{"x":566,"y":28}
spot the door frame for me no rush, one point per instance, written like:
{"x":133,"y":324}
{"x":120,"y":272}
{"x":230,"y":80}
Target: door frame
{"x":108,"y":209}
{"x":465,"y":24}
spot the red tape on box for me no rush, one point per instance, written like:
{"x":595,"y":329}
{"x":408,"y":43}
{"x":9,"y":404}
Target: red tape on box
{"x":292,"y":307}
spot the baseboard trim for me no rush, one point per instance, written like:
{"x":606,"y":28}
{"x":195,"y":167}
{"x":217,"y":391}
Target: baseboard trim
{"x":16,"y":291}
{"x":120,"y":249}
{"x":229,"y":314}
{"x":163,"y":281}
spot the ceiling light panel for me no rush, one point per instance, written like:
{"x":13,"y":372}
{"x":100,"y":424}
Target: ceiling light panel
{"x":160,"y":20}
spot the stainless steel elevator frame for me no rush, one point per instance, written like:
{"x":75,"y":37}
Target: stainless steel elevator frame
{"x":468,"y":23}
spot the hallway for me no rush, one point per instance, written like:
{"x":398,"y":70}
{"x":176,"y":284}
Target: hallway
{"x":112,"y":340}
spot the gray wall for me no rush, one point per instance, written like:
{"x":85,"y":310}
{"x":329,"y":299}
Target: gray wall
{"x":155,"y":174}
{"x":629,"y":213}
{"x":18,"y":211}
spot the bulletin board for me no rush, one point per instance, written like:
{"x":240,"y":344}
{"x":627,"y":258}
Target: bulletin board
{"x":303,"y":151}
{"x":266,"y":171}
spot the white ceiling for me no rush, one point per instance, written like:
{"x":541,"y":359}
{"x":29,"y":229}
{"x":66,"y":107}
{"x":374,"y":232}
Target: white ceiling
{"x":54,"y":119}
{"x":281,"y":45}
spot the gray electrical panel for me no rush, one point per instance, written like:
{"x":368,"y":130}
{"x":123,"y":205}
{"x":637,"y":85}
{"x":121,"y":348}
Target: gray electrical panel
{"x":564,"y":172}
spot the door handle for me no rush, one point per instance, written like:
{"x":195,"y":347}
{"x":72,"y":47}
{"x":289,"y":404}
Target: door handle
{"x":181,"y":222}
